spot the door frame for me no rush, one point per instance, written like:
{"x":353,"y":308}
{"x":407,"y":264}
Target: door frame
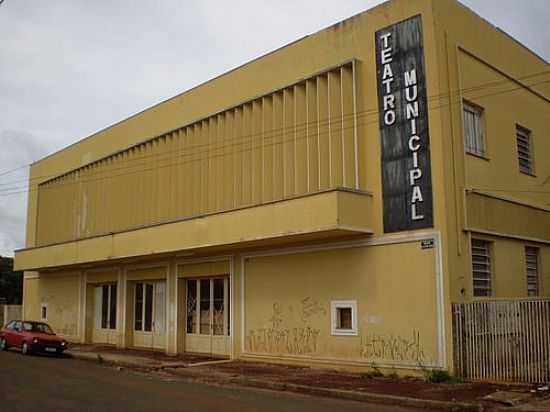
{"x":110,"y":334}
{"x":130,"y":278}
{"x":211,"y":337}
{"x":182,"y":322}
{"x":152,"y":333}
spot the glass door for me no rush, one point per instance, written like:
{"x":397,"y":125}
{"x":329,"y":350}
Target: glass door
{"x":207,"y":323}
{"x":105,"y":314}
{"x":150,"y":314}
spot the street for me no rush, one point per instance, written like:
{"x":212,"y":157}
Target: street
{"x":38,"y":383}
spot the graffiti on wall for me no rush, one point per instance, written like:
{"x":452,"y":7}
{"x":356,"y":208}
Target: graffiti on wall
{"x":393,"y":347}
{"x":310,"y":308}
{"x":284,"y":334}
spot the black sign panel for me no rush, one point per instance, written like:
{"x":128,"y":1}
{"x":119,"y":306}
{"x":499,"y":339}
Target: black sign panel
{"x":403,"y":116}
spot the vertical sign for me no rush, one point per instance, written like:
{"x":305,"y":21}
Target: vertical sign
{"x":403,"y":116}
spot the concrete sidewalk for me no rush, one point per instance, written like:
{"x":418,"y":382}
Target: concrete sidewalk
{"x":136,"y":359}
{"x":321,"y":382}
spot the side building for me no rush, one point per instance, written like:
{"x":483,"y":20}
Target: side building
{"x":325,"y":204}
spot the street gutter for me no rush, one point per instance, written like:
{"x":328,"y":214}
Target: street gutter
{"x":187,"y":372}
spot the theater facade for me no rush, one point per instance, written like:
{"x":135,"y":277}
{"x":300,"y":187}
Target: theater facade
{"x":324,"y":204}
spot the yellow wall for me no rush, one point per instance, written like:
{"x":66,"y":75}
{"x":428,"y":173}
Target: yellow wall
{"x":274,"y":147}
{"x":31,"y":298}
{"x":321,"y":216}
{"x":325,"y":96}
{"x":508,"y":261}
{"x":507,"y":104}
{"x":288,"y":304}
{"x":483,"y":65}
{"x":292,"y":90}
{"x":61,"y":293}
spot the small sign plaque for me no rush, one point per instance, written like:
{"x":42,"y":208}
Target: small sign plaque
{"x":427,"y":244}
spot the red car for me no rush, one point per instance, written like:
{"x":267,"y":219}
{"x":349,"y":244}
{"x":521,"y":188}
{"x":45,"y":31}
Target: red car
{"x":31,"y":337}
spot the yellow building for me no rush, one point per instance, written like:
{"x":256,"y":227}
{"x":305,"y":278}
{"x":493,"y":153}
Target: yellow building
{"x":326,"y":203}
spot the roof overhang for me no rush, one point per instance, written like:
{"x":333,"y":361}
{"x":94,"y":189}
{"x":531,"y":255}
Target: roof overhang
{"x":317,"y":217}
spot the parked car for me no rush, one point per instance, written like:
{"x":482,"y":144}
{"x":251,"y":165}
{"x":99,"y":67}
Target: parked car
{"x":31,"y":337}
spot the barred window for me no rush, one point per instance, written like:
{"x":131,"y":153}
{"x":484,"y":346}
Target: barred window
{"x":481,"y":267}
{"x":525,"y":155}
{"x":532,"y":270}
{"x":474,"y":140}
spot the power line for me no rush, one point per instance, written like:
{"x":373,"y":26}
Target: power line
{"x":16,"y":168}
{"x":19,"y":190}
{"x":372,"y":111}
{"x":182,"y":156}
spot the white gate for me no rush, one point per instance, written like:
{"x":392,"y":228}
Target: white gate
{"x":502,"y":340}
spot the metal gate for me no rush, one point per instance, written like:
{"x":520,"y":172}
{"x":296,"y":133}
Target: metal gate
{"x":502,"y":340}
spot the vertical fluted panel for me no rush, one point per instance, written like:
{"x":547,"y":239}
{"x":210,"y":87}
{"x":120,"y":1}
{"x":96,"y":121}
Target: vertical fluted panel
{"x":297,"y":140}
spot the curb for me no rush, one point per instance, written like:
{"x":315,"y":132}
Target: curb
{"x":107,"y":360}
{"x":289,"y":387}
{"x":363,"y":396}
{"x":334,"y":393}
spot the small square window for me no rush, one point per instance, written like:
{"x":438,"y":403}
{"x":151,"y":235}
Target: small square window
{"x":44,"y":312}
{"x":344,"y":317}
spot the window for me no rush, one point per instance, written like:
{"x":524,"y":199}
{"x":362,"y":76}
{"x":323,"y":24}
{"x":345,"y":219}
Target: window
{"x":474,"y":139}
{"x":481,"y":267}
{"x":44,"y":312}
{"x":532,"y":270}
{"x":525,"y":155}
{"x":150,"y":307}
{"x":138,"y":307}
{"x":208,"y":306}
{"x":204,"y":305}
{"x":191,"y":306}
{"x":11,"y":325}
{"x":105,"y":306}
{"x":344,"y":317}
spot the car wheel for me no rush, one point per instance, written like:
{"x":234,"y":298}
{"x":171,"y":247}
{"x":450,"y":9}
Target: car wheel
{"x":3,"y":344}
{"x":25,"y":349}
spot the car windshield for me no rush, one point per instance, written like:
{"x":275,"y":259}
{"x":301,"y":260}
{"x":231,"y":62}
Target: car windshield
{"x":37,"y":327}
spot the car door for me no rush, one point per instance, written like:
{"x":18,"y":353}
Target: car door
{"x":8,"y":332}
{"x":16,"y":334}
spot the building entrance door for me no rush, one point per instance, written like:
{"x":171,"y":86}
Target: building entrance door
{"x":105,"y":311}
{"x":150,"y":314}
{"x":207,"y":320}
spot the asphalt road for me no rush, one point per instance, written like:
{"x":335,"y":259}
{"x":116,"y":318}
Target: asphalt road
{"x":38,"y":383}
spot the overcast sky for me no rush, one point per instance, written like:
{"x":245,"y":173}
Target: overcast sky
{"x":71,"y":67}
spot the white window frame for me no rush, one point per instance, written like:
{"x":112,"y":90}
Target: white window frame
{"x":42,"y":307}
{"x":226,"y":326}
{"x":474,"y":145}
{"x":343,"y":304}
